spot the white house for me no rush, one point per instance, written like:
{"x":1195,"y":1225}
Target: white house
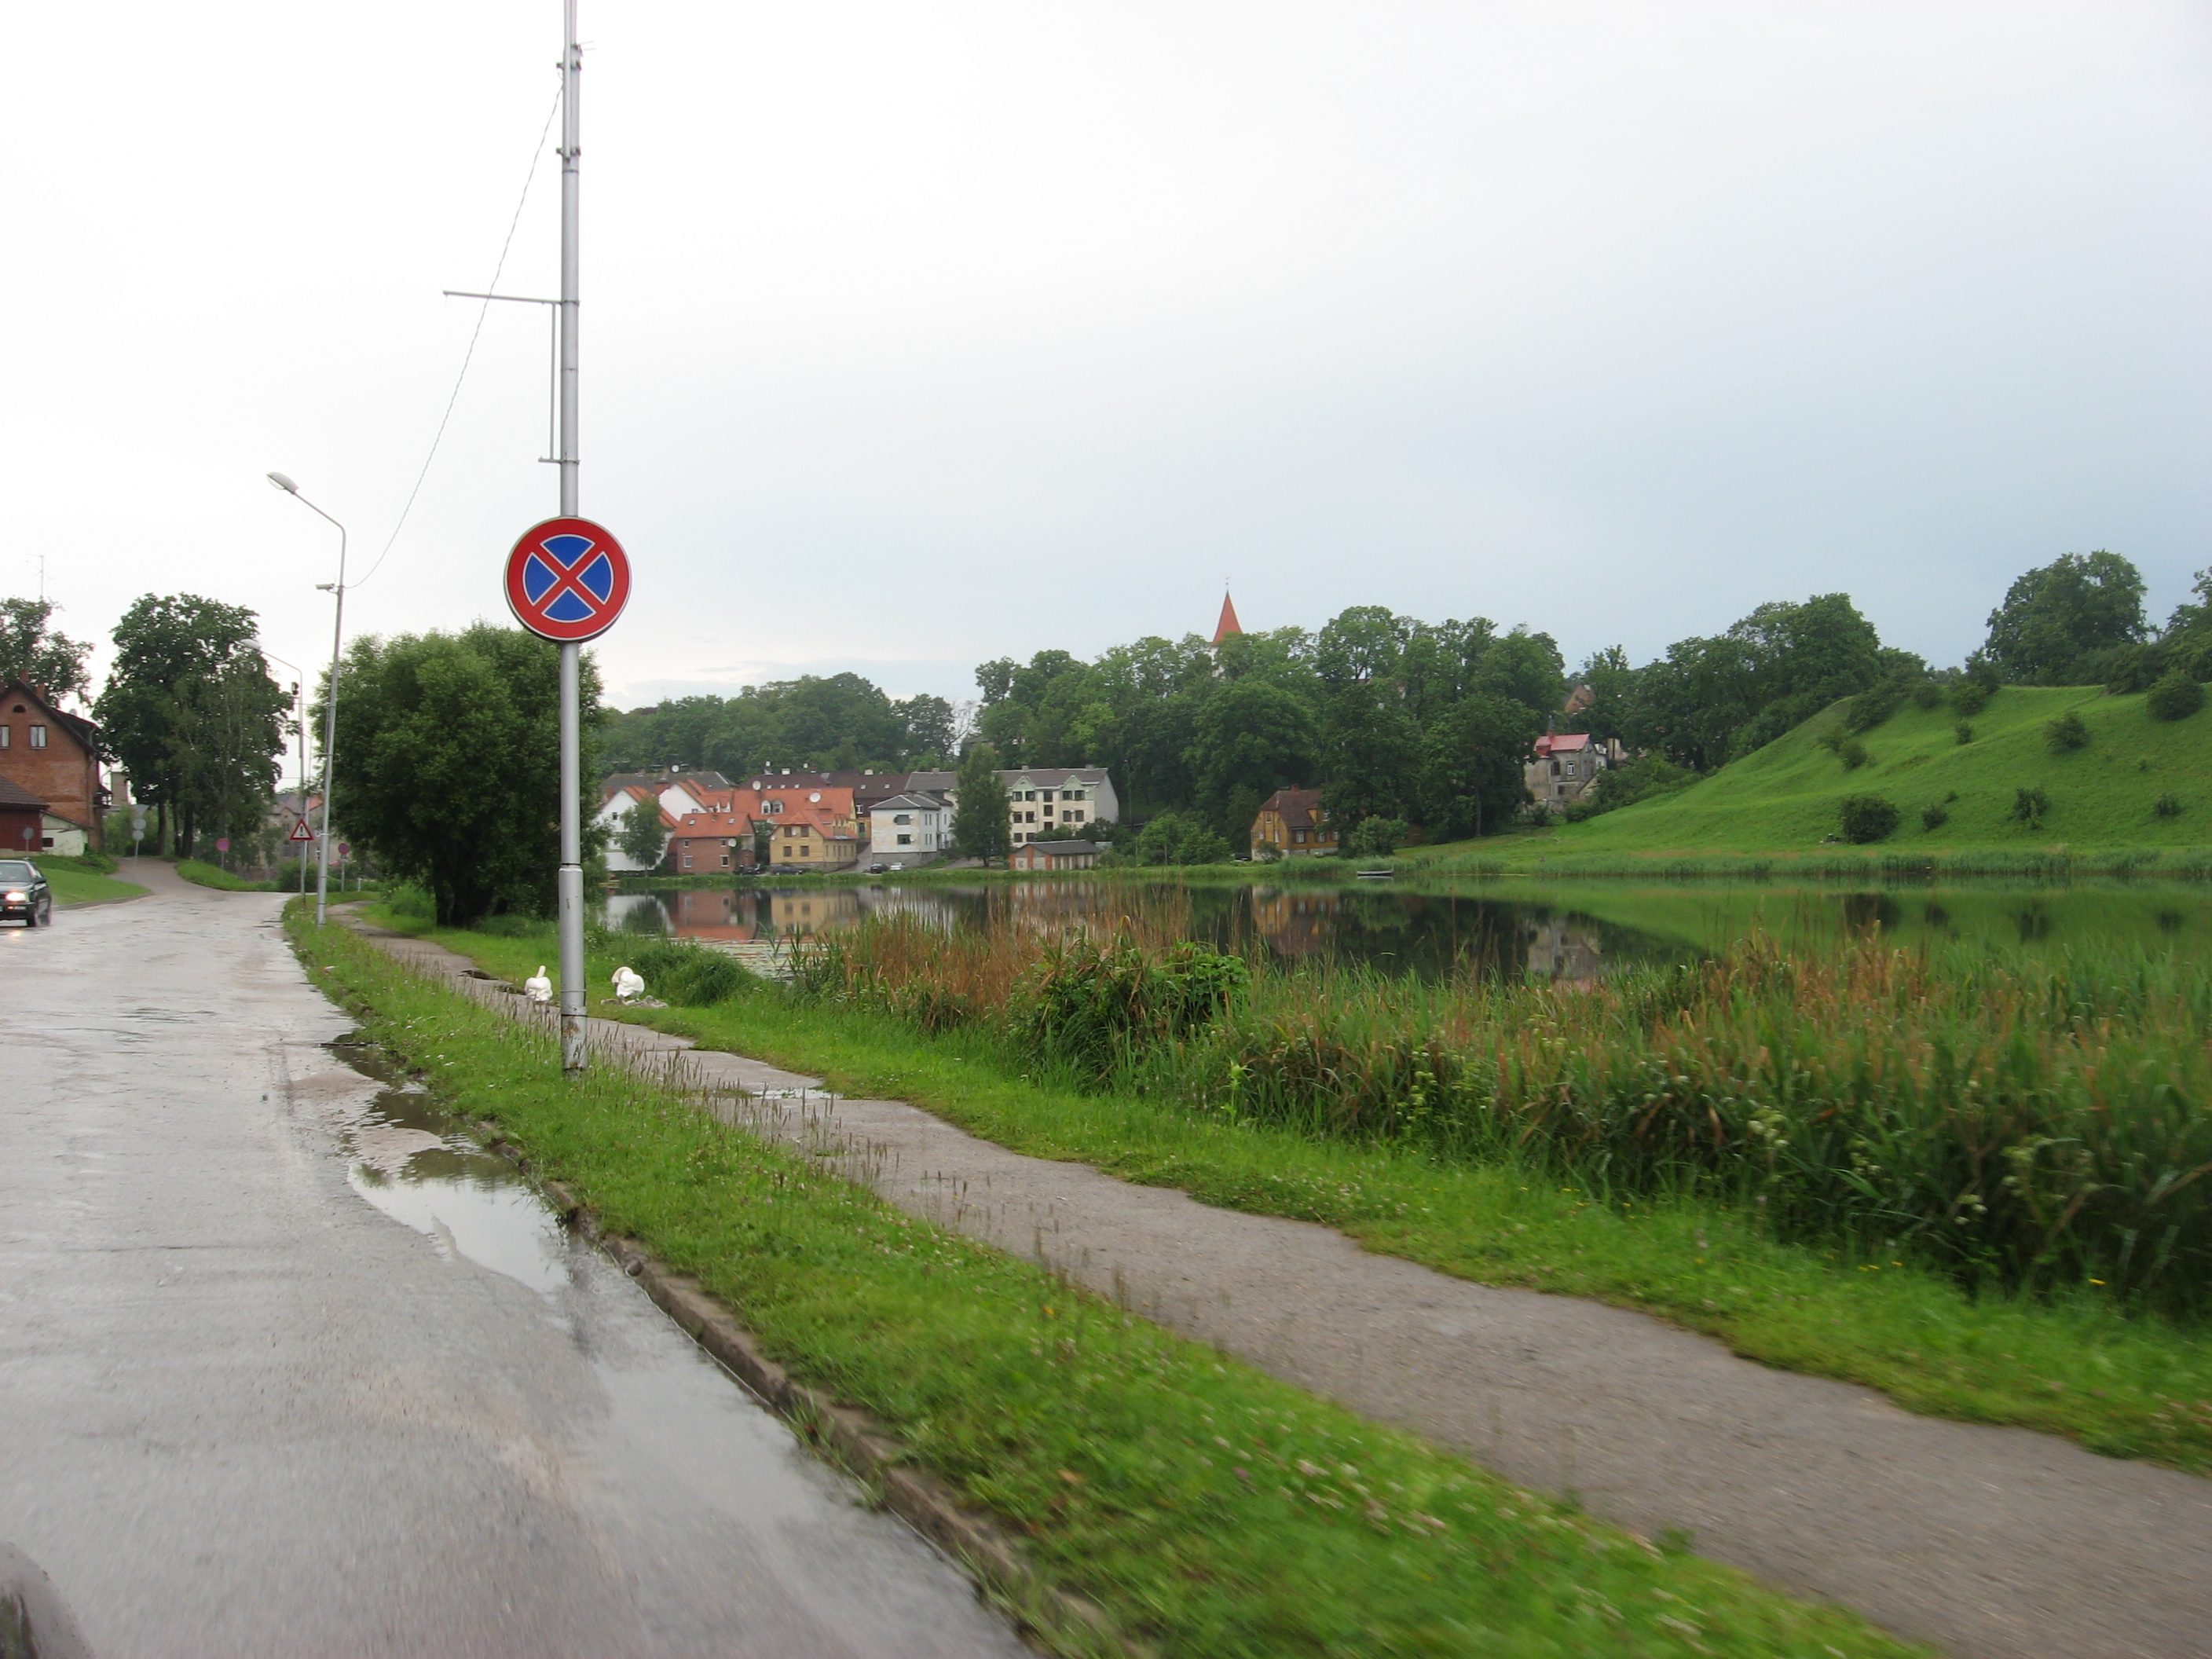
{"x":1040,"y":797}
{"x":908,"y":826}
{"x":611,"y":814}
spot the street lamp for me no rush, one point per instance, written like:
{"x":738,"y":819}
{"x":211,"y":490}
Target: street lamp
{"x":330,"y":707}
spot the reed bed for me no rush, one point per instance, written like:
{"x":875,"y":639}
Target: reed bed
{"x":2026,"y":1124}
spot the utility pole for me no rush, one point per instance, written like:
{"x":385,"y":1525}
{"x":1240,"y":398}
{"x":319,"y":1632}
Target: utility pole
{"x":571,"y":889}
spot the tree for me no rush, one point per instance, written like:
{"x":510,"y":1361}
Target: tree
{"x":641,"y":835}
{"x":929,"y":726}
{"x":1250,"y":738}
{"x":981,"y":829}
{"x":2054,"y":617}
{"x":448,"y":764}
{"x":190,"y":711}
{"x":1375,"y":838}
{"x":2175,"y":697}
{"x":1471,"y":781}
{"x":1867,"y":817}
{"x":30,"y":650}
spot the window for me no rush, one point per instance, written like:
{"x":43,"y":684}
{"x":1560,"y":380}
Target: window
{"x":901,"y":817}
{"x":1047,"y":814}
{"x":38,"y":735}
{"x":687,"y":861}
{"x":906,"y":840}
{"x":1076,"y":816}
{"x":1299,"y":836}
{"x":1047,"y":795}
{"x":7,"y":735}
{"x":726,"y":860}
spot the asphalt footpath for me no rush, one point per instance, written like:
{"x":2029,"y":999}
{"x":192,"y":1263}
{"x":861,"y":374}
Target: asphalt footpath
{"x":288,"y":1367}
{"x":1997,"y":1543}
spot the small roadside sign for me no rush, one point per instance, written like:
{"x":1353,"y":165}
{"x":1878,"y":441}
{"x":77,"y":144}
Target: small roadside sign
{"x":222,"y":843}
{"x":568,"y":579}
{"x":301,"y":832}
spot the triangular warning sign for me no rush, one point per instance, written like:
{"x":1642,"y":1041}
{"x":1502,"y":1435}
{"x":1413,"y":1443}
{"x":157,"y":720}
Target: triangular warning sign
{"x":301,"y":832}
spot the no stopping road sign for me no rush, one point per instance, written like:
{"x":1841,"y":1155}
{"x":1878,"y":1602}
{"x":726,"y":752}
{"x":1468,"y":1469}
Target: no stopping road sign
{"x":568,"y":579}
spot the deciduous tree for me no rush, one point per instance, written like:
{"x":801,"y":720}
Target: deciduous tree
{"x":448,"y":764}
{"x":981,"y":829}
{"x":2056,"y":615}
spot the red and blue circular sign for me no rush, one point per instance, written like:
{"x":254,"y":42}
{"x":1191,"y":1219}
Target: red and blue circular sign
{"x":568,"y":579}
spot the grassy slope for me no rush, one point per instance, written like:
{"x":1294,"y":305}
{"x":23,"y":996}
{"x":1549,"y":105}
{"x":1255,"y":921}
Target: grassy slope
{"x":73,"y":885}
{"x":1783,"y":799}
{"x":1207,"y":1508}
{"x":2126,"y":1387}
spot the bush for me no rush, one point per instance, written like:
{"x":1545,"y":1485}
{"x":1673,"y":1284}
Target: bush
{"x":2133,"y":668}
{"x":1969,"y":697}
{"x":2028,"y":806}
{"x":687,"y":975}
{"x":1933,"y":816}
{"x":1642,"y":778}
{"x":1867,"y":817}
{"x":2066,"y":734}
{"x":1180,"y":838}
{"x":1926,"y":695}
{"x":2168,"y":807}
{"x":1966,"y":734}
{"x":2176,"y":696}
{"x":412,"y":901}
{"x":1090,"y":1005}
{"x":1375,"y":838}
{"x":1853,"y":754}
{"x":1873,"y":706}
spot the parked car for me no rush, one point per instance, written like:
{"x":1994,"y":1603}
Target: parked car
{"x":24,"y":894}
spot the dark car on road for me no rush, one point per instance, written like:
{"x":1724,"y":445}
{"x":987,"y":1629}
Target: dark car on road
{"x":24,"y":894}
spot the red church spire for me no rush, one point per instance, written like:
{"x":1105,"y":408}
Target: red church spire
{"x":1228,"y":624}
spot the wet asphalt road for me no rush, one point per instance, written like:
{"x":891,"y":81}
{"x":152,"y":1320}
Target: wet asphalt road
{"x":287,"y":1367}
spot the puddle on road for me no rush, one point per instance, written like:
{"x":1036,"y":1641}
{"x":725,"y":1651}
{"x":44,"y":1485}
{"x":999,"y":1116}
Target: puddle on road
{"x":409,"y":1160}
{"x":699,"y":1478}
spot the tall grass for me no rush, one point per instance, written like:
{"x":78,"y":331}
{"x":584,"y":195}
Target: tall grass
{"x":2024,"y":1124}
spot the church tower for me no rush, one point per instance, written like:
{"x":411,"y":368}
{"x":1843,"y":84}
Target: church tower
{"x":1228,"y":624}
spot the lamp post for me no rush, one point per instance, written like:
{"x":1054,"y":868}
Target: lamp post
{"x":331,"y":706}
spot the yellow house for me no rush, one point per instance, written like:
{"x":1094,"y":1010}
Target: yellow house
{"x":1291,"y":825}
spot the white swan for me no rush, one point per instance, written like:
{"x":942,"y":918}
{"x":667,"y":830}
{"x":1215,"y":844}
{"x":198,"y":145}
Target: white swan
{"x":537,"y":987}
{"x":629,"y":984}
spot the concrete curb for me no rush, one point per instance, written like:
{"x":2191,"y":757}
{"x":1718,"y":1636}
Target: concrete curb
{"x":852,"y":1439}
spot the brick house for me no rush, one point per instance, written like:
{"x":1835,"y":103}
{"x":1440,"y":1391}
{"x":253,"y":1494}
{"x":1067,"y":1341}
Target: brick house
{"x":1054,"y":855}
{"x":22,"y":820}
{"x":54,"y":756}
{"x":1291,"y":824}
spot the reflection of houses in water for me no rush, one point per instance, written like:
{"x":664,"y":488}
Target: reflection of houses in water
{"x":1563,"y":949}
{"x":709,"y":913}
{"x":1297,"y":925}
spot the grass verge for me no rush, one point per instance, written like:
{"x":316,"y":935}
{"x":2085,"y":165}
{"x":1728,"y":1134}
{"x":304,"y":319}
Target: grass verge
{"x":2138,"y":1387}
{"x":75,"y":882}
{"x":1207,"y":1508}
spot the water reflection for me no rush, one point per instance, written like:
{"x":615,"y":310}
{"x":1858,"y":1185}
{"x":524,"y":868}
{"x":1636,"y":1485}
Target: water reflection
{"x":1394,"y":932}
{"x":1575,"y":933}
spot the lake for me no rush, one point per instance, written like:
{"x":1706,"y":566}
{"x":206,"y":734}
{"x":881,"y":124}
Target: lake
{"x":1578,"y":932}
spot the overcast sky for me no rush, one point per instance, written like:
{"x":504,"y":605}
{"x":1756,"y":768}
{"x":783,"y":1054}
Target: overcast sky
{"x":917,"y":335}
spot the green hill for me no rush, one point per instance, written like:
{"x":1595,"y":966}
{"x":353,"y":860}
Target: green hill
{"x":1784,"y":801}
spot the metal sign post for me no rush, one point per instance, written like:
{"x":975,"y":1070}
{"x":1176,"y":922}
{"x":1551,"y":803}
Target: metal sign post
{"x":572,"y":783}
{"x":567,"y":578}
